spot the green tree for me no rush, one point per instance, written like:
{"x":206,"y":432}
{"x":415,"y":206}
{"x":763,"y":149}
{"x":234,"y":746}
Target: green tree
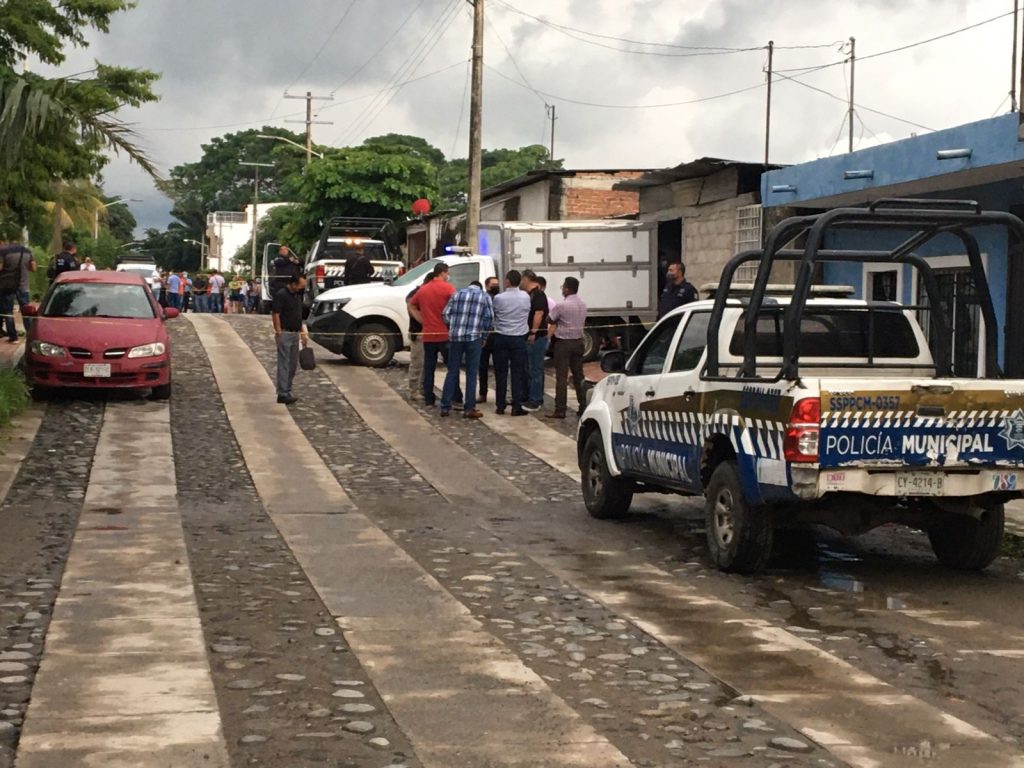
{"x":55,"y":130}
{"x":400,"y":142}
{"x":499,"y":165}
{"x":120,"y":222}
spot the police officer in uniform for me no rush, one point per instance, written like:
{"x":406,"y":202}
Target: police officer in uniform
{"x":65,"y":261}
{"x":678,"y":291}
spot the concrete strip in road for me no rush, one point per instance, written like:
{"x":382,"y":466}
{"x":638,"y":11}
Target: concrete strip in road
{"x":782,"y":670}
{"x":281,"y":461}
{"x":124,"y":679}
{"x":454,"y":472}
{"x":16,"y":443}
{"x":461,"y":696}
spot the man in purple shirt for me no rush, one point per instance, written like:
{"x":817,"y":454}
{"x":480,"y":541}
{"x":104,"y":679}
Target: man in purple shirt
{"x":566,"y":328}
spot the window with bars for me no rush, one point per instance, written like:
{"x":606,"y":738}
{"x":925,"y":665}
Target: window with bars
{"x":748,"y":237}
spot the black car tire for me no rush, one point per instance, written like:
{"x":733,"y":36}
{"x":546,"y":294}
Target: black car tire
{"x":739,"y":535}
{"x":605,"y":497}
{"x":591,"y":345}
{"x":968,"y":543}
{"x":374,"y":345}
{"x":161,"y":392}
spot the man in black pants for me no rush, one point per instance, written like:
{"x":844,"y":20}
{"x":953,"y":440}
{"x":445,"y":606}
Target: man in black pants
{"x":290,"y":334}
{"x":493,"y":287}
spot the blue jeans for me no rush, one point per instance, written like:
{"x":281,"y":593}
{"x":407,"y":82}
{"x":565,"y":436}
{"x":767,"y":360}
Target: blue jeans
{"x":431,"y":349}
{"x":217,"y":303}
{"x":7,"y":310}
{"x":535,"y":362}
{"x":200,"y":302}
{"x":509,"y":352}
{"x":457,"y":352}
{"x":174,"y":300}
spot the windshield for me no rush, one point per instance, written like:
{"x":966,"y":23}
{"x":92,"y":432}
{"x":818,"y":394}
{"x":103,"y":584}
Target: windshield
{"x":416,"y":274}
{"x":98,"y":300}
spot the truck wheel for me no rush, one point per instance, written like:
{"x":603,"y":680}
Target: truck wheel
{"x":967,"y":543}
{"x":375,"y":345}
{"x":739,"y":535}
{"x":606,"y":497}
{"x":591,"y":345}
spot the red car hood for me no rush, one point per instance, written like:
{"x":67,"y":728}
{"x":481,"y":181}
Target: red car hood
{"x":97,"y":333}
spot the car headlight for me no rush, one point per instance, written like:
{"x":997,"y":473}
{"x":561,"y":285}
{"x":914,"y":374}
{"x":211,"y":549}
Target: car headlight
{"x":148,"y":350}
{"x":323,"y":307}
{"x":46,"y":349}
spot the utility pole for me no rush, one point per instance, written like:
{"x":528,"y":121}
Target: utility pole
{"x":768,"y":108}
{"x":550,"y":109}
{"x":853,"y":66}
{"x":309,"y":121}
{"x":255,"y":206}
{"x":476,"y":126}
{"x":1020,"y":103}
{"x":1013,"y":60}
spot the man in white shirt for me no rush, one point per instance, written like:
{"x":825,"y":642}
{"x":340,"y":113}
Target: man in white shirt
{"x":217,"y":292}
{"x":511,"y":324}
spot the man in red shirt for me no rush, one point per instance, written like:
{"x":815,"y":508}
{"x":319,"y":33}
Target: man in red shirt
{"x":426,"y":307}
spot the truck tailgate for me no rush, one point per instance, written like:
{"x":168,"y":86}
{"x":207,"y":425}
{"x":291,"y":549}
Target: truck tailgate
{"x":921,"y":423}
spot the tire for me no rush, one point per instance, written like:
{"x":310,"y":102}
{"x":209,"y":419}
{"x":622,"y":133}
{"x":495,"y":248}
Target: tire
{"x":591,"y":345}
{"x":374,"y":345}
{"x":40,"y":394}
{"x":739,"y":536}
{"x":967,"y":543}
{"x":161,"y":392}
{"x":605,"y":497}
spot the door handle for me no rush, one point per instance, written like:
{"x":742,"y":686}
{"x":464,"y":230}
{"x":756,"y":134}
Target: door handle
{"x":650,"y":393}
{"x":688,"y":395}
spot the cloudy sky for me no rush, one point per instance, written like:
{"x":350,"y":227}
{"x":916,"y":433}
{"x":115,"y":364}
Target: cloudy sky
{"x":225,"y":65}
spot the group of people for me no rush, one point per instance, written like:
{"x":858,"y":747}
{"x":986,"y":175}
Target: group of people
{"x":509,"y":325}
{"x":208,"y":292}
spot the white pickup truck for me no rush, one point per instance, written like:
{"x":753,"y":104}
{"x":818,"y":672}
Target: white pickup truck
{"x":615,"y":262}
{"x":794,"y":411}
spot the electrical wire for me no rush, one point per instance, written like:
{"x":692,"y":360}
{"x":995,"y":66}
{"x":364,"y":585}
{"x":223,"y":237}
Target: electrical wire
{"x":696,"y":50}
{"x":462,"y":107}
{"x":567,"y":100}
{"x":515,"y":64}
{"x":377,"y":52}
{"x":414,"y":60}
{"x":906,"y":47}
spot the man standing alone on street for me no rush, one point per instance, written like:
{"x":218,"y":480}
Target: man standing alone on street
{"x":290,"y":334}
{"x":468,"y":316}
{"x":678,"y":291}
{"x":567,"y":321}
{"x":536,"y":340}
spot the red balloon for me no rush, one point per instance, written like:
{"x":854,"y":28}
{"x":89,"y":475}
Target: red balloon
{"x":421,"y":207}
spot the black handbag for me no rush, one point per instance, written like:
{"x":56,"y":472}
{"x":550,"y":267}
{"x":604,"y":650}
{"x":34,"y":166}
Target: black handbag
{"x":307,"y":360}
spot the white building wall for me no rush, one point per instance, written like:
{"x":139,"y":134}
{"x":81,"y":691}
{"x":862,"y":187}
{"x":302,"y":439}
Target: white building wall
{"x":226,"y":237}
{"x":533,"y":204}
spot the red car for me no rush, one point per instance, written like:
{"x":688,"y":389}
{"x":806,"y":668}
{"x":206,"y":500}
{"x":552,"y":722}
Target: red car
{"x":99,"y":330}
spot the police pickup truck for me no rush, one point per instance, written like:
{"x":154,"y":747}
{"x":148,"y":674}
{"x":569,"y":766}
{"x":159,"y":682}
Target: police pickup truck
{"x":800,"y":410}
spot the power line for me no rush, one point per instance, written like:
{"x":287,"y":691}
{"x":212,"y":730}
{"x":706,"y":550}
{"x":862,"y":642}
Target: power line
{"x":418,"y":55}
{"x":902,"y":47}
{"x":515,"y":64}
{"x":384,"y":45}
{"x":567,"y":100}
{"x":693,"y":50}
{"x":333,"y":105}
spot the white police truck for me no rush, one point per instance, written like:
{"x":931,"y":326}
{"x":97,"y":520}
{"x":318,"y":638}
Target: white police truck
{"x":800,"y":410}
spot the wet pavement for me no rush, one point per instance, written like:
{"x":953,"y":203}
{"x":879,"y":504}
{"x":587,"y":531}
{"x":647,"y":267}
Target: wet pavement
{"x":844,"y":651}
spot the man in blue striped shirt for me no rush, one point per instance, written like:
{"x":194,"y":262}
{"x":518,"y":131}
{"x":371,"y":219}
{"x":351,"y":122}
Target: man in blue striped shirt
{"x":469,"y":317}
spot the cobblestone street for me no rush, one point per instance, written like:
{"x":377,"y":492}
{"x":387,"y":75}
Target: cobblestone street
{"x":369,"y":585}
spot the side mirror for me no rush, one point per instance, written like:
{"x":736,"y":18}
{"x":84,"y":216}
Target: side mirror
{"x":170,"y":313}
{"x":30,"y":310}
{"x":613,"y":361}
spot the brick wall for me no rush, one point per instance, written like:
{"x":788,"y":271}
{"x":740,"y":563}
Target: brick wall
{"x":591,"y":196}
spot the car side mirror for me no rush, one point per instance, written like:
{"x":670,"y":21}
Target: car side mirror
{"x":170,"y":313}
{"x":30,"y":310}
{"x":613,"y":361}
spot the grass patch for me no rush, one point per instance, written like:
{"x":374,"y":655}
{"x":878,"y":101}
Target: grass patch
{"x":13,"y":395}
{"x":1013,"y":546}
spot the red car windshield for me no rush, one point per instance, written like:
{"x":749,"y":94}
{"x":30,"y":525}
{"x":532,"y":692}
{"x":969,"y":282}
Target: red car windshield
{"x":98,"y":300}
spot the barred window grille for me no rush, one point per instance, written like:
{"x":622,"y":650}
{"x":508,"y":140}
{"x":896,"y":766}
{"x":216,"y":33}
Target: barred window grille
{"x":748,"y":237}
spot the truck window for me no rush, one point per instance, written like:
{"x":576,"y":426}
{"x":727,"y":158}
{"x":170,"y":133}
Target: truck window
{"x":835,"y":332}
{"x":691,"y":345}
{"x":650,"y":357}
{"x":461,"y":275}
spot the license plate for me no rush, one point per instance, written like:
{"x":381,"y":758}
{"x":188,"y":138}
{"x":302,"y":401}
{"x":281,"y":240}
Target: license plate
{"x":96,"y":370}
{"x":919,"y":483}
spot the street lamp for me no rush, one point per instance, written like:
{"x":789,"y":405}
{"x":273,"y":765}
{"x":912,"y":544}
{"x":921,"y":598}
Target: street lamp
{"x":293,"y":143}
{"x":202,"y":250}
{"x":96,"y":213}
{"x":255,"y":202}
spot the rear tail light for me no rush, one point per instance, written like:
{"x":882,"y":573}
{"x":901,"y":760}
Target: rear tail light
{"x":801,"y":441}
{"x":321,"y":275}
